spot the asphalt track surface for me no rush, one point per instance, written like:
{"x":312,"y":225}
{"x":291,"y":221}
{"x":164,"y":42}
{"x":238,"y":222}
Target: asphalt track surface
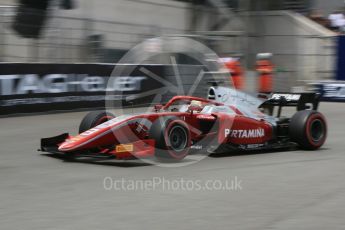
{"x":280,"y":190}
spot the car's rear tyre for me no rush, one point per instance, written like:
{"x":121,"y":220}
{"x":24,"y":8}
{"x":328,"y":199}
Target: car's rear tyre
{"x":94,"y":119}
{"x":308,"y":129}
{"x":173,"y":139}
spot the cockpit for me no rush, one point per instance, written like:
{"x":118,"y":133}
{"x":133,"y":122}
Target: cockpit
{"x":217,"y":109}
{"x":196,"y":105}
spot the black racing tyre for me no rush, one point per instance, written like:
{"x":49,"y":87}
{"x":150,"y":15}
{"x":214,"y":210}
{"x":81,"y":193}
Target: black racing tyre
{"x":173,"y":139}
{"x":93,"y":119}
{"x":308,"y":129}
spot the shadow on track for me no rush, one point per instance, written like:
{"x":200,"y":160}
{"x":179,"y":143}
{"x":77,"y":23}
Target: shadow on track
{"x":139,"y":163}
{"x":116,"y":163}
{"x":251,"y":152}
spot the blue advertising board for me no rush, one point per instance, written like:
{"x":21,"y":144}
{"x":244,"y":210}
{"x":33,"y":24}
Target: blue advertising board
{"x":340,"y":75}
{"x":331,"y":91}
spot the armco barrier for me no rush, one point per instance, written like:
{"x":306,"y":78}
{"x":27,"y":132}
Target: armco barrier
{"x":28,"y":88}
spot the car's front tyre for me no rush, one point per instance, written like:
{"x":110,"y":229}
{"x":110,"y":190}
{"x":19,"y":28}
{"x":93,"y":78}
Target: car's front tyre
{"x":173,"y":139}
{"x":94,"y":119}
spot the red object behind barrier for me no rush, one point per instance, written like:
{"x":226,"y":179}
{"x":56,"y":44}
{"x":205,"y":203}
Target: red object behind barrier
{"x":265,"y":70}
{"x":237,"y":74}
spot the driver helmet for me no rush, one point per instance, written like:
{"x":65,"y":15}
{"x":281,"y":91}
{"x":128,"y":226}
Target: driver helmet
{"x":196,"y":106}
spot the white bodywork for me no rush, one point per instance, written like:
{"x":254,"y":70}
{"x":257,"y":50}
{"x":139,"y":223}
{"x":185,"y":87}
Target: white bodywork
{"x":248,"y":105}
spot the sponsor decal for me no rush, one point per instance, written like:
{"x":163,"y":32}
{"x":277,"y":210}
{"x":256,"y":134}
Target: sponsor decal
{"x":230,"y":97}
{"x":334,"y":90}
{"x":44,"y":87}
{"x":331,"y":91}
{"x":66,"y":83}
{"x":196,"y":147}
{"x":206,"y":117}
{"x":90,"y":132}
{"x":124,"y":148}
{"x":142,"y":124}
{"x":245,"y":134}
{"x":288,"y":97}
{"x":74,"y":139}
{"x":252,"y":146}
{"x":104,"y":125}
{"x":50,"y":100}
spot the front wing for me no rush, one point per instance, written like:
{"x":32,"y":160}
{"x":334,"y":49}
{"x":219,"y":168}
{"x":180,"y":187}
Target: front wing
{"x":138,"y":149}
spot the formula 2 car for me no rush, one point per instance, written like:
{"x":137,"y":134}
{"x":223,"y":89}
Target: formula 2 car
{"x":227,"y":120}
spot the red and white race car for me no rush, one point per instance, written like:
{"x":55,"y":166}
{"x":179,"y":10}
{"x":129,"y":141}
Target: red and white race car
{"x":227,"y":120}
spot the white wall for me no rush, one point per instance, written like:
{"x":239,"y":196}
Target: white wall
{"x":303,"y":49}
{"x":328,"y":6}
{"x":161,"y":13}
{"x":66,"y":37}
{"x":7,"y":2}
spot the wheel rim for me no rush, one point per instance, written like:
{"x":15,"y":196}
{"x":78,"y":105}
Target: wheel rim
{"x":178,"y":139}
{"x":317,"y":130}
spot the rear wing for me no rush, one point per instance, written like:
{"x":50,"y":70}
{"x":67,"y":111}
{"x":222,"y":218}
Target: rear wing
{"x":302,"y":101}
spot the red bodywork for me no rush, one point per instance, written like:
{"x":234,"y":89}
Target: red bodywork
{"x":127,"y":136}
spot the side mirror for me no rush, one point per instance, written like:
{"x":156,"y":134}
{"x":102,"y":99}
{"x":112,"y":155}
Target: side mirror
{"x":158,"y":108}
